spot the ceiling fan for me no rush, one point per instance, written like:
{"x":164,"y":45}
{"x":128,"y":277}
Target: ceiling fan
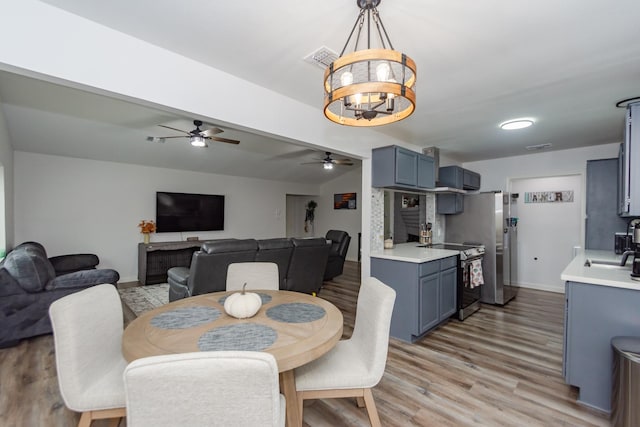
{"x":328,"y":162}
{"x":197,"y":137}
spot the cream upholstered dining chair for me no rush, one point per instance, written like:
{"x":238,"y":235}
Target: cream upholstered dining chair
{"x":257,"y":275}
{"x":211,"y":388}
{"x":354,"y":366}
{"x":87,"y":334}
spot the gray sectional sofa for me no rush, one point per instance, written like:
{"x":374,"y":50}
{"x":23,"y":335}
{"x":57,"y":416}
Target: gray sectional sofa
{"x":30,"y":282}
{"x":301,"y":264}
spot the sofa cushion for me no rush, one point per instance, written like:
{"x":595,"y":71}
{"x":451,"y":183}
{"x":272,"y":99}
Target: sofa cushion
{"x":307,"y":265}
{"x":30,"y":267}
{"x":279,"y":251}
{"x":178,"y":275}
{"x":64,"y":264}
{"x":83,"y":279}
{"x":236,"y":245}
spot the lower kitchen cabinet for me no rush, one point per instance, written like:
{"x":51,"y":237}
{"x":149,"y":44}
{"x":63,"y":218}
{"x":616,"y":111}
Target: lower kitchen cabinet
{"x":448,"y":293}
{"x":594,"y":314}
{"x":429,"y":301}
{"x":425,"y":294}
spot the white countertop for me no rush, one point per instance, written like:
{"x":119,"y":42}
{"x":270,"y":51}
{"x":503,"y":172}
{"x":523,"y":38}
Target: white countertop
{"x":409,"y":252}
{"x":614,"y":277}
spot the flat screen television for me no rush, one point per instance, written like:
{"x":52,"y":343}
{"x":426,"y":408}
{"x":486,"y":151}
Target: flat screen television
{"x":189,"y":212}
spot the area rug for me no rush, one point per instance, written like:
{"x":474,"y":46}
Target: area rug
{"x":144,"y":298}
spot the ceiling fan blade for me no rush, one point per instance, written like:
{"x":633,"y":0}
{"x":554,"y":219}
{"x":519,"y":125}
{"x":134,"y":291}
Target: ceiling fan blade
{"x":179,"y":130}
{"x":158,"y":139}
{"x":343,"y":162}
{"x":210,"y":132}
{"x":167,"y":137}
{"x":228,"y":141}
{"x":312,"y":163}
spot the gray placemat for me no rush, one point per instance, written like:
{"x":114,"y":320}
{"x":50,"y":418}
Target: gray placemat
{"x":264,"y":297}
{"x":296,"y":312}
{"x":185,"y":317}
{"x":239,"y":337}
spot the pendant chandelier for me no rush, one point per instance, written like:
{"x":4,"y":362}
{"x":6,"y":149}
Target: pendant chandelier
{"x":369,"y":87}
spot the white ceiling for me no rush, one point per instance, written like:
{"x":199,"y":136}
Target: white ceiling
{"x":565,"y":64}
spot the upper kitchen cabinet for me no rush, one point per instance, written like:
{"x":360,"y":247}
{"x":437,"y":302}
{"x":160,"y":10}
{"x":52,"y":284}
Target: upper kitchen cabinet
{"x":397,"y":167}
{"x":458,"y":177}
{"x":629,"y":165}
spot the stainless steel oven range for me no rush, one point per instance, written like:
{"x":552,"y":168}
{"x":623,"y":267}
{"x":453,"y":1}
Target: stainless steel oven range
{"x":468,"y":298}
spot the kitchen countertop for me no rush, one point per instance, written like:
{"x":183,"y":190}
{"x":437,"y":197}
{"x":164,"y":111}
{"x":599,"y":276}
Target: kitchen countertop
{"x":595,"y":275}
{"x":409,"y":252}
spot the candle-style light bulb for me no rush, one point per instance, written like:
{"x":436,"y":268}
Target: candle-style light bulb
{"x":346,"y":78}
{"x":358,"y":99}
{"x":382,"y":71}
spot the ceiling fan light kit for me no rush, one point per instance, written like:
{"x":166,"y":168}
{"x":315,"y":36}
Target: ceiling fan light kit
{"x":377,"y":85}
{"x":197,"y":137}
{"x":198,"y":141}
{"x":329,"y":162}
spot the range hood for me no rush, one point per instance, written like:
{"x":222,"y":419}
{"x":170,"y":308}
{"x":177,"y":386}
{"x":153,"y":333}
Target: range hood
{"x":450,"y":190}
{"x":434,"y":152}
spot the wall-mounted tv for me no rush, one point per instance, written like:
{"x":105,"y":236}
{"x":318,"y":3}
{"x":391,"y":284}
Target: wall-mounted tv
{"x":189,"y":212}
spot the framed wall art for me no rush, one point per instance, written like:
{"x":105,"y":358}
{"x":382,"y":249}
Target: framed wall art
{"x":344,"y":201}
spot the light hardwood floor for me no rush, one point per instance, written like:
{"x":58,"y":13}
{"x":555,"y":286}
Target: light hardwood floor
{"x":500,"y":367}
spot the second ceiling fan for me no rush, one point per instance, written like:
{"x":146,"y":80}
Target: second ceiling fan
{"x":328,"y":162}
{"x":197,"y":137}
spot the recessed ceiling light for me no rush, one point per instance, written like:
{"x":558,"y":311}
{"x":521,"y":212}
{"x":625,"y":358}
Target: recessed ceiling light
{"x":516,"y":124}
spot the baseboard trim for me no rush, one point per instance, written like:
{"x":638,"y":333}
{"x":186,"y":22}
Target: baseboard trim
{"x":541,"y":287}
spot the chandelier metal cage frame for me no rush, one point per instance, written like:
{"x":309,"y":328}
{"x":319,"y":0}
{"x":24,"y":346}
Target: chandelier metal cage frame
{"x":369,"y":87}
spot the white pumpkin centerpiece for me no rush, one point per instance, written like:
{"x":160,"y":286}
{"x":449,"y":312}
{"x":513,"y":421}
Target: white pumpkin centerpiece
{"x":242,"y":304}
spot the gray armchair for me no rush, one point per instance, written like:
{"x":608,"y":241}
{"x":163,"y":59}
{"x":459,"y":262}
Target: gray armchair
{"x":30,"y":282}
{"x":339,"y":246}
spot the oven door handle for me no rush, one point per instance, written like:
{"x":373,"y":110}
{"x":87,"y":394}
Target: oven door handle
{"x":470,"y":260}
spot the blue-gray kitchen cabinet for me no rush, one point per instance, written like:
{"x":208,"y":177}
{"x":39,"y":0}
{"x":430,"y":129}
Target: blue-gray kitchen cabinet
{"x":425,"y":294}
{"x":400,"y":168}
{"x":594,"y":314}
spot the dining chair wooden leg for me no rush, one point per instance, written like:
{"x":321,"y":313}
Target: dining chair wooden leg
{"x":288,"y":388}
{"x":85,"y":419}
{"x":300,"y":403}
{"x":363,"y":396}
{"x":371,"y":408}
{"x":114,"y":415}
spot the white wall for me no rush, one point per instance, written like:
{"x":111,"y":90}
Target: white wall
{"x":349,"y":220}
{"x":296,"y":213}
{"x":547,"y":232}
{"x":109,"y":62}
{"x":6,"y":186}
{"x":496,"y":173}
{"x":75,"y":205}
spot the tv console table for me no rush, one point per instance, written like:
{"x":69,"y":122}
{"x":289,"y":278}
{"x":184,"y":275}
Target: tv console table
{"x":155,"y":259}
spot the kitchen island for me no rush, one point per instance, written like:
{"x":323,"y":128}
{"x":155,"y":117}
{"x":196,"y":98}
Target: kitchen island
{"x":602,"y":301}
{"x":425,"y":281}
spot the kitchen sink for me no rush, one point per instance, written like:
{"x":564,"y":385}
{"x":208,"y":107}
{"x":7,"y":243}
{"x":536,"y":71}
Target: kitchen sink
{"x":605,"y":264}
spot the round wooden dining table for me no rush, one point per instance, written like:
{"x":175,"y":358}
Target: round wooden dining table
{"x":295,"y":328}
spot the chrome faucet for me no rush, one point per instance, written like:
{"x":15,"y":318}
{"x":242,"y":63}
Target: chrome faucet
{"x":625,"y":256}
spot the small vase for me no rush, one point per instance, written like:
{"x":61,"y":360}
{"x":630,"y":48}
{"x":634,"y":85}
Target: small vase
{"x":146,"y":238}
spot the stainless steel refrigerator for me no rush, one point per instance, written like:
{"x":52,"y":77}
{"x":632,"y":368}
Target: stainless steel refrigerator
{"x":490,"y":219}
